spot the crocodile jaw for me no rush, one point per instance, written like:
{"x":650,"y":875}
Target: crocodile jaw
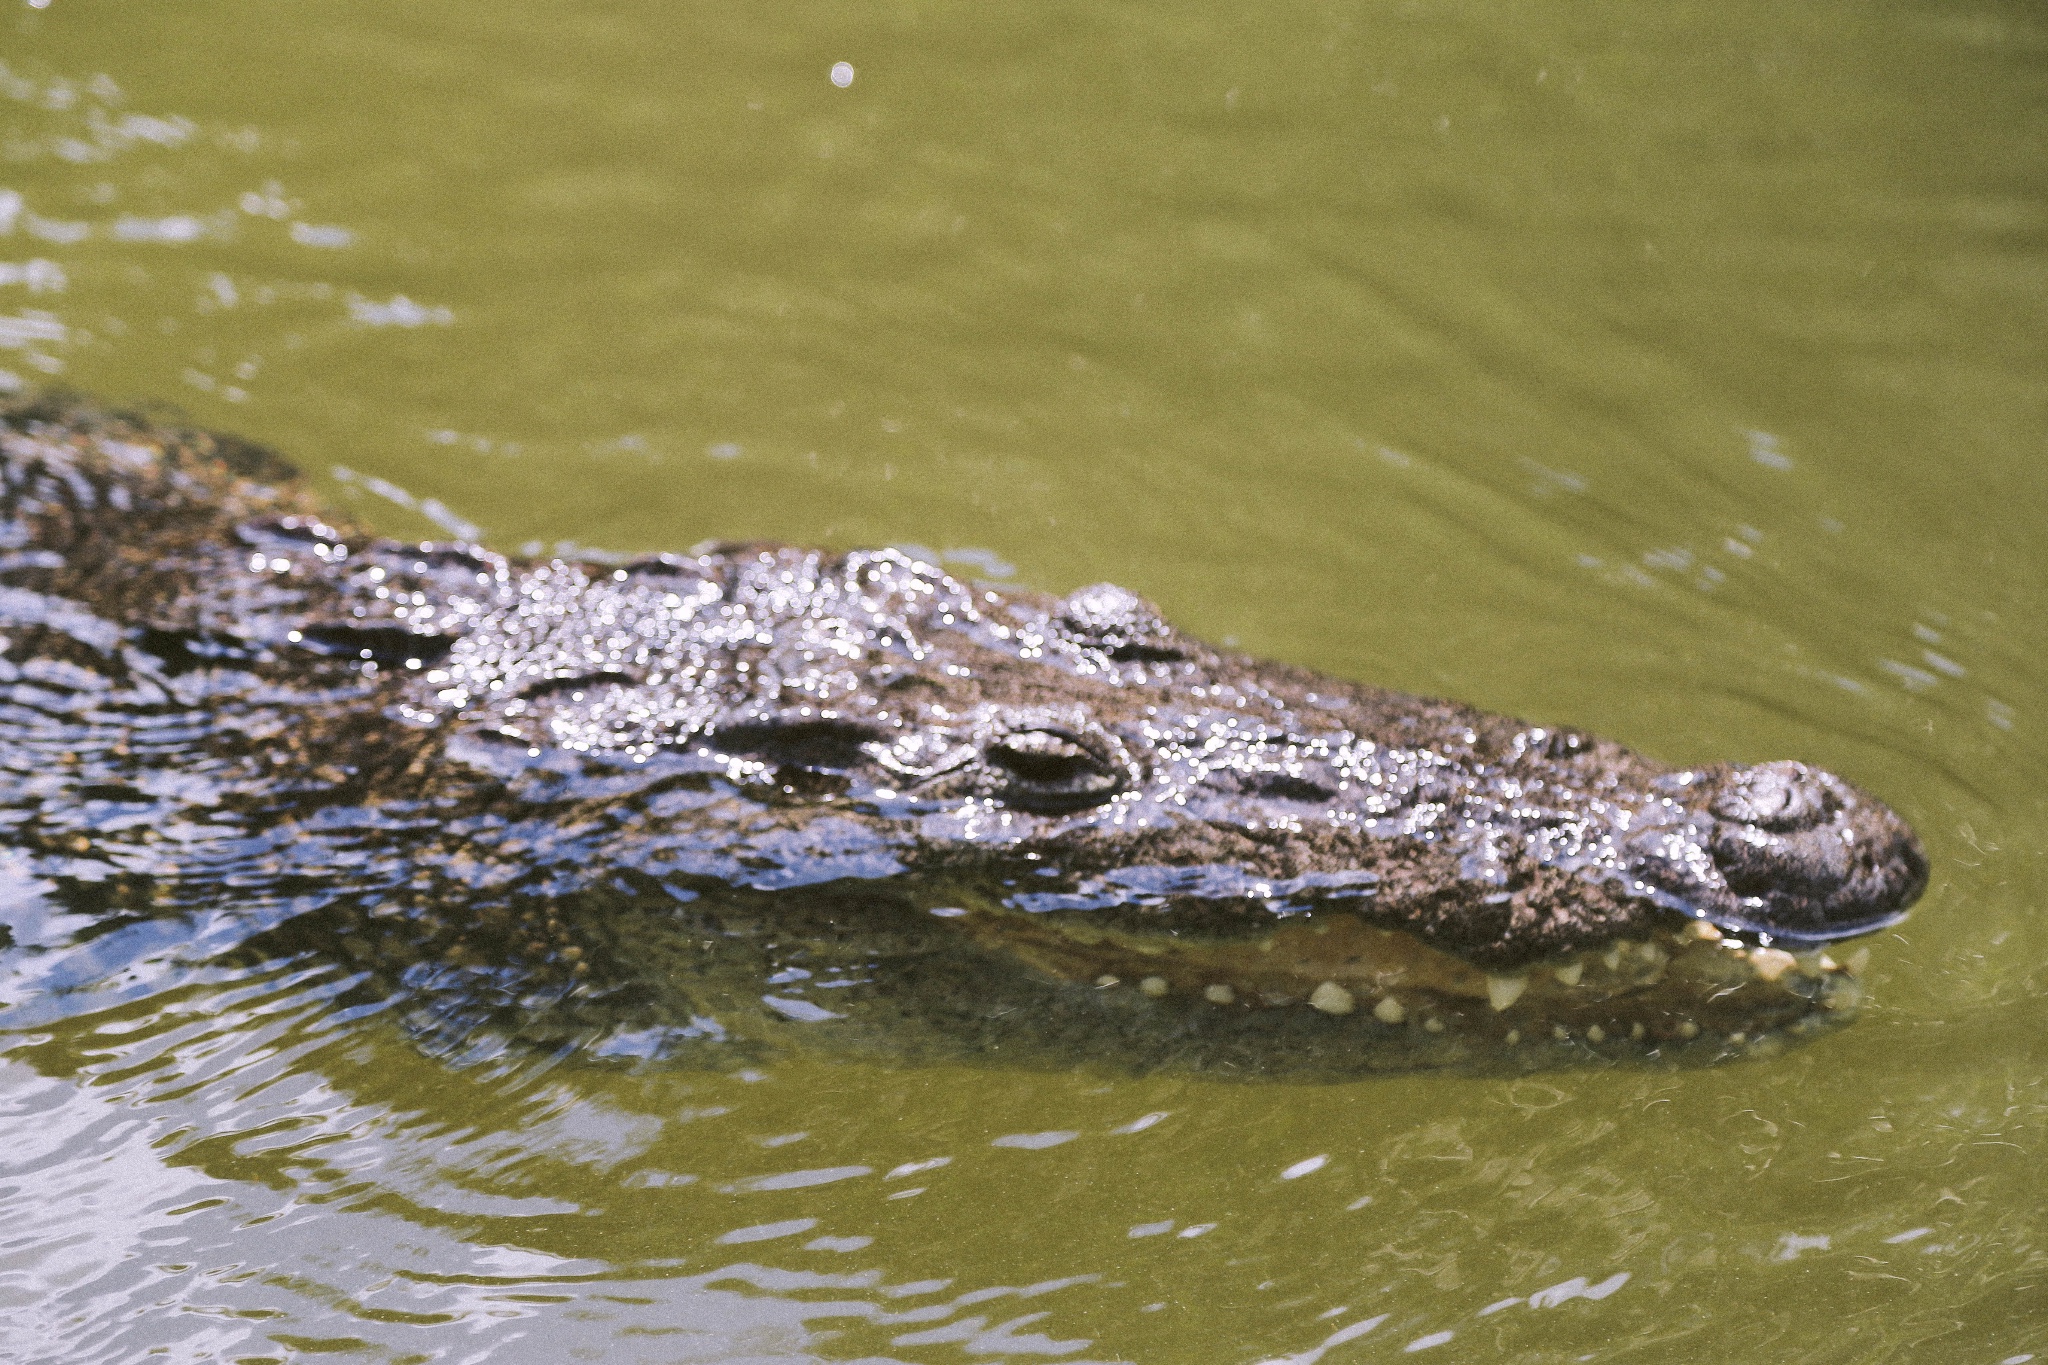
{"x":1668,"y":990}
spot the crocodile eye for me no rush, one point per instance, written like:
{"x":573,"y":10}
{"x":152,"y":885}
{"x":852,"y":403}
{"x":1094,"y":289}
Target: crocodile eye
{"x":1053,"y":770}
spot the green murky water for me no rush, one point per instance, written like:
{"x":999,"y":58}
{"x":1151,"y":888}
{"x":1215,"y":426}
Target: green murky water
{"x":1674,"y":370}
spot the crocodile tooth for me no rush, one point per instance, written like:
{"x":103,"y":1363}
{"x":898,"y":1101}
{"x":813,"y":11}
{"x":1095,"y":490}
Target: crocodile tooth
{"x":1570,"y":973}
{"x":1332,"y":998}
{"x":1219,"y":994}
{"x":1502,"y":991}
{"x":1154,"y":986}
{"x":1771,"y":964}
{"x":1389,"y":1011}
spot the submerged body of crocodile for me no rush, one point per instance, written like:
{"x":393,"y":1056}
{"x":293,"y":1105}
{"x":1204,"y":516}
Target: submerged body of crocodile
{"x":697,"y":799}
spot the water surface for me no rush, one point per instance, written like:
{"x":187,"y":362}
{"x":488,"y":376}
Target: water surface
{"x":1669,"y":370}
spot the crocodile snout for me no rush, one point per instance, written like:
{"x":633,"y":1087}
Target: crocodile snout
{"x":1806,"y":857}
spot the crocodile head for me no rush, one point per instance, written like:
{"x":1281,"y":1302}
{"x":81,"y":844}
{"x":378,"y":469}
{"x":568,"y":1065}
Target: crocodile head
{"x":1112,"y":801}
{"x":1066,"y":784}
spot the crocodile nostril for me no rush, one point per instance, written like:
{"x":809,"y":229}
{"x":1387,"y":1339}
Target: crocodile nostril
{"x":1781,"y":797}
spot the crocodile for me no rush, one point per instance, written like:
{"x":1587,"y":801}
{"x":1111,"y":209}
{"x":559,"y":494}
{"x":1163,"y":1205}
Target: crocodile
{"x":754,"y":795}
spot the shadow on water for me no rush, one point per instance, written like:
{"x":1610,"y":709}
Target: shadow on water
{"x":727,"y":978}
{"x":816,"y":1206}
